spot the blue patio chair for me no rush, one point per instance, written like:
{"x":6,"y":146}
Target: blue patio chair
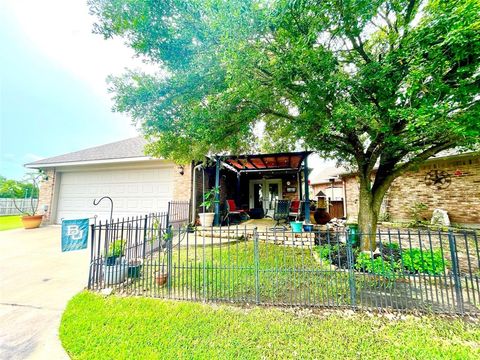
{"x":282,"y":210}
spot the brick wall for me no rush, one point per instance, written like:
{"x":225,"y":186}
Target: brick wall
{"x":461,"y":199}
{"x":46,"y":196}
{"x":182,"y":184}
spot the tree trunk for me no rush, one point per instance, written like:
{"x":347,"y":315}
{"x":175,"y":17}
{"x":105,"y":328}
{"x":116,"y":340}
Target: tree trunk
{"x":368,"y":211}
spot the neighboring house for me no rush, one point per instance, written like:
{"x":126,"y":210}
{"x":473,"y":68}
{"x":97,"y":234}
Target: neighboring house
{"x":137,"y":183}
{"x":449,"y":182}
{"x":140,"y":184}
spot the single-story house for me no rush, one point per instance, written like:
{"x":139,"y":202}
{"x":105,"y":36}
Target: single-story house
{"x":449,"y":181}
{"x":139,"y":184}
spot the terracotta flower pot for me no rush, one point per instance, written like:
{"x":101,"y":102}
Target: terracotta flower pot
{"x":32,"y":222}
{"x":161,"y":278}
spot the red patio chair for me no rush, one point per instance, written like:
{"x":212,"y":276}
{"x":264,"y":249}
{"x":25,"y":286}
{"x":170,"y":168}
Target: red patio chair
{"x":295,"y":209}
{"x":233,"y":210}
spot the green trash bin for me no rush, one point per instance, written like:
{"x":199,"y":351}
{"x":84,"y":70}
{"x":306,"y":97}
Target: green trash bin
{"x":353,"y":236}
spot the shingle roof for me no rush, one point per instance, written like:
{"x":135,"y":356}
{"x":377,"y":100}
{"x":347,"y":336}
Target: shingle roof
{"x":129,"y":148}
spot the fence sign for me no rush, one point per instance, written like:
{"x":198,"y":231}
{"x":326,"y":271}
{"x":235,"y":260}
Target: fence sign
{"x":74,"y":234}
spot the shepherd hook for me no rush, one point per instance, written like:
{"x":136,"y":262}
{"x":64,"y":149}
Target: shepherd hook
{"x":95,"y":202}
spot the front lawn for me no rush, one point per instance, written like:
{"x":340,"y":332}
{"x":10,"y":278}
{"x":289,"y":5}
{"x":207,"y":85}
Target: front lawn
{"x":94,"y":327}
{"x":287,"y":275}
{"x":10,"y":222}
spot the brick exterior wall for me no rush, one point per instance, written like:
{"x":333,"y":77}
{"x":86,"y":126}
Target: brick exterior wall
{"x":461,"y":199}
{"x":182,"y":184}
{"x":46,"y":196}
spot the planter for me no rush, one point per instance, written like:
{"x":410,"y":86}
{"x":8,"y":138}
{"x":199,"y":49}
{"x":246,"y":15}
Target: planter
{"x":111,"y":260}
{"x":115,"y":274}
{"x":161,"y":278}
{"x":206,"y":219}
{"x":32,"y":222}
{"x":322,"y":216}
{"x":296,"y":226}
{"x":134,"y":269}
{"x":308,"y":227}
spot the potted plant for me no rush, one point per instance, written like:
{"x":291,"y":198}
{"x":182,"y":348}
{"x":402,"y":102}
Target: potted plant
{"x":134,"y":268}
{"x":206,"y":217}
{"x":115,"y":269}
{"x":161,"y":275}
{"x":30,"y":218}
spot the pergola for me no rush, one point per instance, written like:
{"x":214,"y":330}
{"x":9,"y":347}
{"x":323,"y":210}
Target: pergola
{"x":263,"y":163}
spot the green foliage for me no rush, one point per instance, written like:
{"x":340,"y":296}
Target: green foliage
{"x":427,"y":262}
{"x":326,"y":251}
{"x":209,"y":199}
{"x":385,"y":267}
{"x":10,"y":188}
{"x":98,"y":327}
{"x":385,"y":82}
{"x":16,"y":189}
{"x":116,"y":248}
{"x":390,"y":262}
{"x":346,"y":78}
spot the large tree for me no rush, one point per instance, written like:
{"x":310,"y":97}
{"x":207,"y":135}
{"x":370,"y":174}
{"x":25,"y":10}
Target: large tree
{"x":372,"y":83}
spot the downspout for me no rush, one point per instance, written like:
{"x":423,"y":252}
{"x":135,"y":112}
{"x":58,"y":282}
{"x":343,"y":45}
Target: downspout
{"x":344,"y":185}
{"x":194,"y":197}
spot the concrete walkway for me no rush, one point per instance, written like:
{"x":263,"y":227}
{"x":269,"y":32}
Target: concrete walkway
{"x":36,"y":282}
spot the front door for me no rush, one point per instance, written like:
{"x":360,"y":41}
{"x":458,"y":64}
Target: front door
{"x":264,"y":193}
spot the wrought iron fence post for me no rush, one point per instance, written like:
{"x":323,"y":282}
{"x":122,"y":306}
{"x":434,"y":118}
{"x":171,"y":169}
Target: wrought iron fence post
{"x":256,"y":265}
{"x":456,"y":271}
{"x":145,"y":237}
{"x":351,"y":273}
{"x":168,"y":214}
{"x":92,"y":260}
{"x":169,"y":245}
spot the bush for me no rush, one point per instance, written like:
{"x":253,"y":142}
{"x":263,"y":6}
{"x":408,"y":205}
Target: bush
{"x":116,"y":248}
{"x":335,"y":254}
{"x":428,"y":262}
{"x":390,"y":260}
{"x":383,"y":266}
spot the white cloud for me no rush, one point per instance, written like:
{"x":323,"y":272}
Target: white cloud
{"x":62,"y":31}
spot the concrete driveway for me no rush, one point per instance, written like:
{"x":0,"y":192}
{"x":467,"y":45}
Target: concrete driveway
{"x":36,"y":282}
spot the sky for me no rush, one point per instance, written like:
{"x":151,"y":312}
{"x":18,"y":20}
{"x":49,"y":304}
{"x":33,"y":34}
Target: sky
{"x":53,"y":93}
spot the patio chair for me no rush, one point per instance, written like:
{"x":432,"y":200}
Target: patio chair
{"x":233,"y":210}
{"x":282,"y":210}
{"x":295,"y":209}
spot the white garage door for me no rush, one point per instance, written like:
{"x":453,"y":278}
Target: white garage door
{"x":133,"y":191}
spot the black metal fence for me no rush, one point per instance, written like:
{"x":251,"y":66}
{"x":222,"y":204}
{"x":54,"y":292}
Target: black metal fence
{"x":424,"y":270}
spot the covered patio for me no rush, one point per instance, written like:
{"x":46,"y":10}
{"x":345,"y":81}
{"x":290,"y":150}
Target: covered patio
{"x":254,"y":183}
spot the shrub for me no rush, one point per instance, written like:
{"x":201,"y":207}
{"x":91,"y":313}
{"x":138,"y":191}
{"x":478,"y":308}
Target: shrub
{"x":335,"y":254}
{"x":427,"y":262}
{"x":326,"y":251}
{"x":378,"y":266}
{"x":116,"y":248}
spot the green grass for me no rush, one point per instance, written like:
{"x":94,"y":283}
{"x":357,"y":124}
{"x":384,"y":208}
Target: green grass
{"x":10,"y":222}
{"x":286,"y":275}
{"x":94,"y":327}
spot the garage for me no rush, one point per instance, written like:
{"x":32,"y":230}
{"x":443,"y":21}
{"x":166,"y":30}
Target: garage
{"x":138,"y":184}
{"x":133,"y":191}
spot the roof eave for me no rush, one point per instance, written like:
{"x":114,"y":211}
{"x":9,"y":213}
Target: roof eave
{"x":39,"y":165}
